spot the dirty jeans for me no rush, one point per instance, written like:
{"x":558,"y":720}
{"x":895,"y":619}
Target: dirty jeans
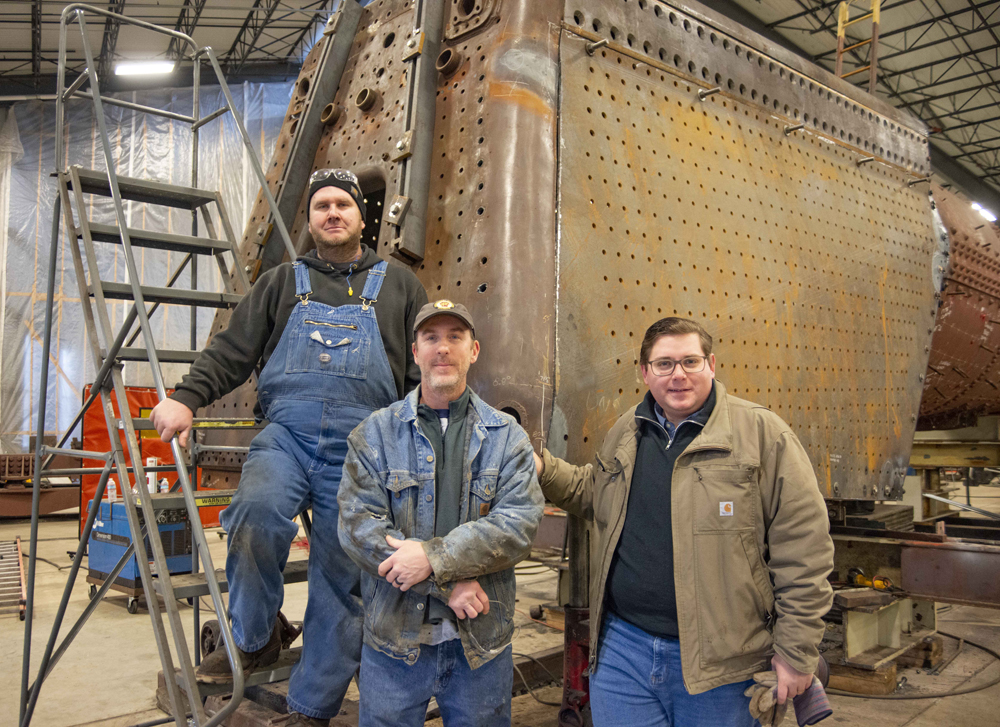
{"x":280,"y":479}
{"x":395,"y":693}
{"x":638,"y":683}
{"x":328,"y":372}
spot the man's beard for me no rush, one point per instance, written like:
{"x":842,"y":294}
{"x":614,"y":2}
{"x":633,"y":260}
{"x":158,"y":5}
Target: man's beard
{"x":442,"y":382}
{"x":336,"y":249}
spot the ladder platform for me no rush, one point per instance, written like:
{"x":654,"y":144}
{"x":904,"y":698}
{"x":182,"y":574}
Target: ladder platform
{"x":203,"y":498}
{"x":175,"y":296}
{"x":143,"y":190}
{"x":193,"y":585}
{"x":159,"y":240}
{"x":144,"y":425}
{"x":164,"y":356}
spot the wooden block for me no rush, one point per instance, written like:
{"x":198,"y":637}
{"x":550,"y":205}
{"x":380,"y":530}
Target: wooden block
{"x":253,"y":714}
{"x":863,"y":681}
{"x":862,"y":598}
{"x":926,"y":654}
{"x":163,"y":697}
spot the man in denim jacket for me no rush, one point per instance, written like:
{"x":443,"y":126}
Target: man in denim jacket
{"x":438,"y":501}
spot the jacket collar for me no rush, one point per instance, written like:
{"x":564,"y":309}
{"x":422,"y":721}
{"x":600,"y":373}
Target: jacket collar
{"x":717,"y":432}
{"x":487,"y":415}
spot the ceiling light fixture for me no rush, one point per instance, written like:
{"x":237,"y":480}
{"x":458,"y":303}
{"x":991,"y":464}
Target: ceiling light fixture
{"x":143,"y":68}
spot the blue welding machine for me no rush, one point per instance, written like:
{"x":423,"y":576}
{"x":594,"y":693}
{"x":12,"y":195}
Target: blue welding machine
{"x":111,"y":535}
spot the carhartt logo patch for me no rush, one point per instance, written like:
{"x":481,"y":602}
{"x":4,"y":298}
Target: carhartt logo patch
{"x":726,"y":509}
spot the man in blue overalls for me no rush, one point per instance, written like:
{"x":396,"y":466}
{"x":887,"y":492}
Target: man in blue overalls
{"x":328,"y":361}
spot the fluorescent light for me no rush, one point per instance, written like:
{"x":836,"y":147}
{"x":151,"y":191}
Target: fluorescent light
{"x":976,"y":206}
{"x":143,"y":68}
{"x":989,"y":216}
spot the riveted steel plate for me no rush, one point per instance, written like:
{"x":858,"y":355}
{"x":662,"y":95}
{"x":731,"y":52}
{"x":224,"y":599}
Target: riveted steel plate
{"x":963,"y":374}
{"x":490,"y":221}
{"x":814,"y":275}
{"x":715,"y":52}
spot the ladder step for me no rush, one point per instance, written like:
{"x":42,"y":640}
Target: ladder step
{"x":192,"y":585}
{"x":279,"y":671}
{"x":203,"y":498}
{"x":123,"y":291}
{"x":165,"y":356}
{"x":246,"y":423}
{"x":144,"y":190}
{"x":160,"y":240}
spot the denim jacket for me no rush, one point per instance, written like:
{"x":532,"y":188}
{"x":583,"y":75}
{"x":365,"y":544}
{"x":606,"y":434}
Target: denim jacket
{"x":388,"y":488}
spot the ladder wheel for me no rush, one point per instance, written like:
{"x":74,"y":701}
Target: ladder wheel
{"x":133,"y":605}
{"x":211,"y":637}
{"x":93,"y":591}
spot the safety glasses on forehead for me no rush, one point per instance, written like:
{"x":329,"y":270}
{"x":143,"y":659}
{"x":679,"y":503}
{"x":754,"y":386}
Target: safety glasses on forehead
{"x":342,"y":174}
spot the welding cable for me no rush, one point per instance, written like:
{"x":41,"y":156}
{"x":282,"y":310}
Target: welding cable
{"x":532,"y":691}
{"x":158,"y":721}
{"x":46,"y":560}
{"x":938,"y":695}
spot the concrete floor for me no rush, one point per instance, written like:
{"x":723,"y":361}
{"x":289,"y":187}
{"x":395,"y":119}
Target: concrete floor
{"x":108,"y":676}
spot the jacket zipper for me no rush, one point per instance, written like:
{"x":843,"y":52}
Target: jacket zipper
{"x":331,"y":325}
{"x":592,"y":662}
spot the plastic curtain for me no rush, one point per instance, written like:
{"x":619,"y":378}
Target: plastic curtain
{"x":143,"y":146}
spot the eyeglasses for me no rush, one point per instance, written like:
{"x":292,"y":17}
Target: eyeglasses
{"x":690,"y":364}
{"x":343,"y":175}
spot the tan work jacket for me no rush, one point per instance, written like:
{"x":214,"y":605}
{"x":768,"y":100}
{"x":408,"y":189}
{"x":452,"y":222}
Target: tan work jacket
{"x":752,"y":548}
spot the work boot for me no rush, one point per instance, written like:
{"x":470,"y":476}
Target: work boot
{"x":215,"y":669}
{"x":295,"y":719}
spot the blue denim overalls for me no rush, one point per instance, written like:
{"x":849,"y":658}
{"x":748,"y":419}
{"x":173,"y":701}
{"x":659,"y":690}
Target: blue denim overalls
{"x":328,"y":372}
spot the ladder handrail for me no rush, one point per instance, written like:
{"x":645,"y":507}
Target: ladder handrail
{"x":182,"y":471}
{"x":76,"y":12}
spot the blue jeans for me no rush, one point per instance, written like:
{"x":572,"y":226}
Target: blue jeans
{"x":280,"y":479}
{"x":396,"y":694}
{"x":638,"y":683}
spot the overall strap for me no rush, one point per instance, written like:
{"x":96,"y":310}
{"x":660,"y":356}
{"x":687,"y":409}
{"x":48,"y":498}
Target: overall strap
{"x":303,"y":288}
{"x":373,"y":284}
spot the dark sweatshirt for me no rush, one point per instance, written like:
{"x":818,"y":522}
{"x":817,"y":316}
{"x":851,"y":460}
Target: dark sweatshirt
{"x":260,"y":318}
{"x":641,"y":580}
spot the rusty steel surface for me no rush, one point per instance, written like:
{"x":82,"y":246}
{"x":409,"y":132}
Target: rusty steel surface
{"x":963,"y":374}
{"x":490,"y":221}
{"x":812,"y":273}
{"x":575,"y":199}
{"x":961,"y":572}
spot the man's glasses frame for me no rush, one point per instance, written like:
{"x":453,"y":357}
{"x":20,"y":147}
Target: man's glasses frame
{"x":689,"y":364}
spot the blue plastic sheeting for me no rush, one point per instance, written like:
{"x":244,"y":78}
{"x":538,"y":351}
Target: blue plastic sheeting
{"x":144,"y":146}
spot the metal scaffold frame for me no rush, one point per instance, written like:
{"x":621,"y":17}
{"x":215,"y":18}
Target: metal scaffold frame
{"x":109,"y":349}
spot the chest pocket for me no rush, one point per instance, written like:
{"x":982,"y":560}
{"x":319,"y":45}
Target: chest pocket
{"x":482,"y":490}
{"x":726,"y":497}
{"x":609,"y":490}
{"x":403,"y":493}
{"x":326,"y":345}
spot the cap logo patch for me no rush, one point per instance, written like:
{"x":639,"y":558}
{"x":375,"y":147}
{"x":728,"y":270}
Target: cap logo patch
{"x":444,"y":305}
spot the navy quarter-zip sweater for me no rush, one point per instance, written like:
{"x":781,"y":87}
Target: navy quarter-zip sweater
{"x":641,"y":582}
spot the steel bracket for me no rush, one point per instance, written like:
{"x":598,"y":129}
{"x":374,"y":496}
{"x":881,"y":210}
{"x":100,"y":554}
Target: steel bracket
{"x":414,"y":47}
{"x":402,"y":148}
{"x":333,"y":23}
{"x":397,"y":210}
{"x":405,"y":254}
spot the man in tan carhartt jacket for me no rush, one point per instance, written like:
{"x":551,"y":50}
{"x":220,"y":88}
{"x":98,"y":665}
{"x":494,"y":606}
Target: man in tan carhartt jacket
{"x":710,"y":546}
